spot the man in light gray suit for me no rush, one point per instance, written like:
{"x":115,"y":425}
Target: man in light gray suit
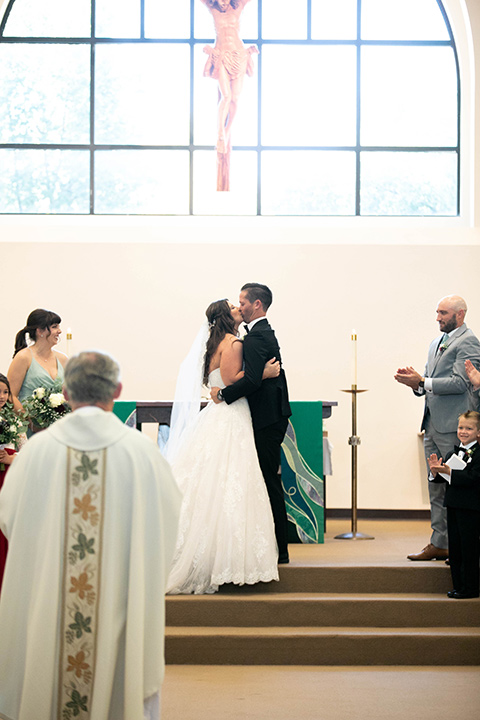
{"x":446,"y":389}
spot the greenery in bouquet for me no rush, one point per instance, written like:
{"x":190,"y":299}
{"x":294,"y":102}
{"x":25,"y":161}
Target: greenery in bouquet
{"x":45,"y":406}
{"x":12,"y":426}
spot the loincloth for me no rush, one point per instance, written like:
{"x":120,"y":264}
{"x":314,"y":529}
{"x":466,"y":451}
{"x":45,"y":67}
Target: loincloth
{"x":235,"y":62}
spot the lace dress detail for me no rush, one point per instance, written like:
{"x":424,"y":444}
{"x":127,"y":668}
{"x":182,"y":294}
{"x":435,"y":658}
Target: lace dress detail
{"x":226,"y":532}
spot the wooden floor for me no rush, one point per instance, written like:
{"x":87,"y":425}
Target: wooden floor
{"x":245,"y":692}
{"x":205,"y":692}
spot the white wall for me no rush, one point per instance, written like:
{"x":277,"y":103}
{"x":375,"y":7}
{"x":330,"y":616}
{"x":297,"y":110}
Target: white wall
{"x":138,"y":288}
{"x":143,"y":302}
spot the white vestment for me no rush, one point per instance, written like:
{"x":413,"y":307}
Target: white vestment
{"x":140,"y":515}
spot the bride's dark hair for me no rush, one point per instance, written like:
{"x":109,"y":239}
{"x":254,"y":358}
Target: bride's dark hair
{"x":221,"y":322}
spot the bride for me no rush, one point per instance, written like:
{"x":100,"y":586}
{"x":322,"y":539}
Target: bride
{"x":226,"y":532}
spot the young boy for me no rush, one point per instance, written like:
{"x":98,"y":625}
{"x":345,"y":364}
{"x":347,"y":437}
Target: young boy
{"x":462,"y":500}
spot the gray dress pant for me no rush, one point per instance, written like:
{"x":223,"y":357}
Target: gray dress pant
{"x":440,"y":444}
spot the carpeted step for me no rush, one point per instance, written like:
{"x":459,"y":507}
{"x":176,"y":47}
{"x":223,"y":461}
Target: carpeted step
{"x":365,"y":613}
{"x":432,"y":577}
{"x":322,"y":646}
{"x":321,"y":609}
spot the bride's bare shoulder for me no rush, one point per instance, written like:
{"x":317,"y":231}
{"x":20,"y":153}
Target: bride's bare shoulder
{"x":230,"y":339}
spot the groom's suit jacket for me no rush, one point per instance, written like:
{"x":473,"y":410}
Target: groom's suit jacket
{"x":451,"y":394}
{"x":268,"y":400}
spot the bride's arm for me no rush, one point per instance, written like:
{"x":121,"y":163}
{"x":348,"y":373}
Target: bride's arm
{"x":231,"y":362}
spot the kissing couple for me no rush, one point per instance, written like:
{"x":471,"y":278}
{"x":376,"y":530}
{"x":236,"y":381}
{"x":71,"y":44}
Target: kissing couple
{"x":233,"y":522}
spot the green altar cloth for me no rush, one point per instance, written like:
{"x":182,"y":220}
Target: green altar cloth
{"x":124,"y":408}
{"x":302,"y":473}
{"x":302,"y":464}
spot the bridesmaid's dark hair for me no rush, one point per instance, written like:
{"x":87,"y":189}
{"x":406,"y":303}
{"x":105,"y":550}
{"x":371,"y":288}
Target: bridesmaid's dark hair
{"x":221,"y":322}
{"x":4,"y":380}
{"x":37,"y":320}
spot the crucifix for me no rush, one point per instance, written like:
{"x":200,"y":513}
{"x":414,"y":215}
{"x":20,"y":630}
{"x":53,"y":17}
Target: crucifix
{"x":228,"y":62}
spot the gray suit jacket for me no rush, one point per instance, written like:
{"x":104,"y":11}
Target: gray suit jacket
{"x":451,"y":394}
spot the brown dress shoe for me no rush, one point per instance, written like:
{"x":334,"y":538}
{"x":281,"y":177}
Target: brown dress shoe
{"x":430,"y":552}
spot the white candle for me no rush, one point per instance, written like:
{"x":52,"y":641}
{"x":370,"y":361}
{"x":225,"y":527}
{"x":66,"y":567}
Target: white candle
{"x":354,"y":346}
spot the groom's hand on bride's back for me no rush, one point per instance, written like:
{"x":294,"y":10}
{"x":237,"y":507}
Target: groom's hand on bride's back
{"x":271,"y":369}
{"x":214,"y":395}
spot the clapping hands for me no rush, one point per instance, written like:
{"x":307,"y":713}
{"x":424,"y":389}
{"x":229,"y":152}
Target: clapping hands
{"x":473,"y":374}
{"x":408,"y":376}
{"x":437,"y":465}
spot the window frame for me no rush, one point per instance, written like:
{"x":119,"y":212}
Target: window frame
{"x":259,"y":148}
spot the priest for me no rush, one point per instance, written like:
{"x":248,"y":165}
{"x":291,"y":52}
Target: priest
{"x":90,"y":509}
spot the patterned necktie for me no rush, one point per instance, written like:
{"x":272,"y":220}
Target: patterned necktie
{"x":442,"y":340}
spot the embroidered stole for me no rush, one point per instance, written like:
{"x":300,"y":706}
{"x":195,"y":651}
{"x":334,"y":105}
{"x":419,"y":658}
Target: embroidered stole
{"x":84,"y":506}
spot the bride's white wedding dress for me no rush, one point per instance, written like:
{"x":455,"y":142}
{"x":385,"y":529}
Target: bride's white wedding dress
{"x":226,"y":532}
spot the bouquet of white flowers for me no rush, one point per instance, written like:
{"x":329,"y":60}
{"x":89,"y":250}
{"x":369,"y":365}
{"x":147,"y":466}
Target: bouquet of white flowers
{"x":12,"y":427}
{"x":45,"y":406}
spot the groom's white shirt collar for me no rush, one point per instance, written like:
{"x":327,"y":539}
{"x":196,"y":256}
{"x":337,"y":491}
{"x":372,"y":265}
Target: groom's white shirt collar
{"x":252,"y":322}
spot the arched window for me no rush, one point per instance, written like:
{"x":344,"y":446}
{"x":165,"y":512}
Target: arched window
{"x":353,"y":109}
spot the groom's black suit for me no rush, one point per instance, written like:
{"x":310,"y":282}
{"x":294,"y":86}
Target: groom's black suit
{"x":270,"y":409}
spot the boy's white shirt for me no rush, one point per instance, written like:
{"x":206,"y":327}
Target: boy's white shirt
{"x":457,"y":463}
{"x":454,"y":463}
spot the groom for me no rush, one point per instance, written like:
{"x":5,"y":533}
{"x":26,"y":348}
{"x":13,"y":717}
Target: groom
{"x":268,"y":400}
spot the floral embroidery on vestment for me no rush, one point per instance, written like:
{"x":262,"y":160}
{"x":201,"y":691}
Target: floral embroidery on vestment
{"x":85,"y":493}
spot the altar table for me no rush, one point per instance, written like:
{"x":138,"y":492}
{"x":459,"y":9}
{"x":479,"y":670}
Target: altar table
{"x":301,"y":462}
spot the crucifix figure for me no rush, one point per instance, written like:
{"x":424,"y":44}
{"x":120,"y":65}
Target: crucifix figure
{"x":228,"y":61}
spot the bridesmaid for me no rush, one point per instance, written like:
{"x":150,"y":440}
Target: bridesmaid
{"x":39,"y":365}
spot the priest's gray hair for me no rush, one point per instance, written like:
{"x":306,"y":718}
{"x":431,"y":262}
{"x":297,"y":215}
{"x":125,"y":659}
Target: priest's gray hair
{"x":91,"y":377}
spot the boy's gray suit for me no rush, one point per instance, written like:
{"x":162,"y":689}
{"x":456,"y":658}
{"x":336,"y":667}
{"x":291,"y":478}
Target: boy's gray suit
{"x":450,"y":397}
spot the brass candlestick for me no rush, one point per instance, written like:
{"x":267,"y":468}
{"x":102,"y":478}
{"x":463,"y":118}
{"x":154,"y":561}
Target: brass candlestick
{"x":69,"y":340}
{"x":354,"y":441}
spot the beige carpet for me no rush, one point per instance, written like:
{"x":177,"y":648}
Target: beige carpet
{"x":358,"y":602}
{"x":245,"y":692}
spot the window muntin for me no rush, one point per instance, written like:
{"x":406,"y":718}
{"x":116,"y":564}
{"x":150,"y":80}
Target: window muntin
{"x":367,"y":79}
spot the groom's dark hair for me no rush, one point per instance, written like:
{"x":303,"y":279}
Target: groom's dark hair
{"x":255,"y":291}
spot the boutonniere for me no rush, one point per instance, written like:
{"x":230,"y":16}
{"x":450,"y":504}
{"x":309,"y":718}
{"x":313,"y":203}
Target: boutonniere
{"x":443,"y":346}
{"x":468,"y":453}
